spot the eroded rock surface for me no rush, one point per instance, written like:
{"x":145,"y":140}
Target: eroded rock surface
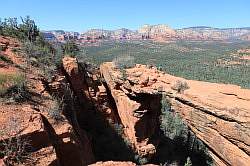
{"x":138,"y":111}
{"x":53,"y":141}
{"x":218,"y":114}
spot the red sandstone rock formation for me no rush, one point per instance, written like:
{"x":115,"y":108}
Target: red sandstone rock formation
{"x":52,"y":142}
{"x":218,"y":114}
{"x":88,"y":88}
{"x":138,"y":111}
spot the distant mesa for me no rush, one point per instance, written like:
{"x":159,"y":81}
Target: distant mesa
{"x":160,"y":32}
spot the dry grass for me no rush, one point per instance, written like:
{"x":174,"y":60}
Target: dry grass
{"x":9,"y":80}
{"x":14,"y":150}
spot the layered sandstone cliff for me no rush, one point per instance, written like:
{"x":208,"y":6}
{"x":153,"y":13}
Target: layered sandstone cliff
{"x":218,"y":114}
{"x":159,"y":32}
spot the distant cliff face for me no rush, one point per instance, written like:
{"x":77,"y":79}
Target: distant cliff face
{"x":194,"y":33}
{"x":208,"y":33}
{"x":160,"y":32}
{"x":245,"y":37}
{"x":157,"y":32}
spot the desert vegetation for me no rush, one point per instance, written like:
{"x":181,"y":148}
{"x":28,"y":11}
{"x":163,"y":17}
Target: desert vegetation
{"x":26,"y":30}
{"x":10,"y":81}
{"x":56,"y":109}
{"x":190,"y":60}
{"x":38,"y":52}
{"x":124,"y":62}
{"x":15,"y":149}
{"x":70,"y":49}
{"x":178,"y":143}
{"x":5,"y":59}
{"x":180,"y":86}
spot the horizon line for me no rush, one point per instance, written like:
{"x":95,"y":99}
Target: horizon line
{"x":113,"y":29}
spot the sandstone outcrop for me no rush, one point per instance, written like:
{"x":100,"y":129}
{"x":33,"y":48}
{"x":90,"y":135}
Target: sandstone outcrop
{"x":92,"y":94}
{"x":46,"y":137}
{"x":7,"y":45}
{"x":76,"y":78}
{"x":139,"y":121}
{"x":138,"y":111}
{"x":53,"y":141}
{"x":218,"y":114}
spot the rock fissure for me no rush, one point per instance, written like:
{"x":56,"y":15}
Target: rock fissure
{"x":232,"y":94}
{"x":205,"y":110}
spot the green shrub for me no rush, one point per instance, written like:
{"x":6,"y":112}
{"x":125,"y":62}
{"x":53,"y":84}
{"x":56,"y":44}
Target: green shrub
{"x":180,"y":86}
{"x":5,"y":59}
{"x":12,"y":80}
{"x":2,"y":48}
{"x":141,"y":160}
{"x":118,"y":129}
{"x":19,"y":93}
{"x":13,"y":88}
{"x":55,"y":111}
{"x":70,"y":48}
{"x":57,"y":58}
{"x":26,"y":30}
{"x":16,"y":149}
{"x":171,"y":123}
{"x":42,"y":56}
{"x":178,"y":141}
{"x":123,"y":74}
{"x":124,"y":62}
{"x":15,"y":50}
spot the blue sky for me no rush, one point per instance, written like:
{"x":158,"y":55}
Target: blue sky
{"x":80,"y":15}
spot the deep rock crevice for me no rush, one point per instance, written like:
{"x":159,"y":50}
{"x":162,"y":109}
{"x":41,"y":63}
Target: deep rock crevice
{"x":120,"y":120}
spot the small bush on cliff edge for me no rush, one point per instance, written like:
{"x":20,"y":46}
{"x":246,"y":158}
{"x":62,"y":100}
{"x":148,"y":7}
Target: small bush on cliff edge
{"x":180,"y":86}
{"x":56,"y":109}
{"x":124,"y":62}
